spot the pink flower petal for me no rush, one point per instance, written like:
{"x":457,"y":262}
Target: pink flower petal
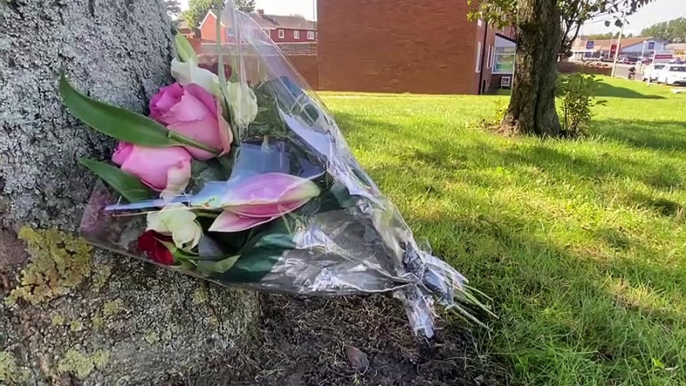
{"x":151,"y":164}
{"x":205,"y":131}
{"x":204,"y":97}
{"x":229,"y":222}
{"x":268,"y":210}
{"x":188,"y":109}
{"x":178,"y":177}
{"x":164,"y":100}
{"x":122,"y":152}
{"x":270,"y":188}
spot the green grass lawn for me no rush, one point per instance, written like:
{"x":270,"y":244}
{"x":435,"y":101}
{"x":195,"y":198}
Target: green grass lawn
{"x":580,"y":243}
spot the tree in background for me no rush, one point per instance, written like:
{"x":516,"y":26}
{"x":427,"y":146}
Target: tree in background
{"x":673,"y":31}
{"x":606,"y":36}
{"x":197,"y":9}
{"x":545,"y":30}
{"x":173,"y":7}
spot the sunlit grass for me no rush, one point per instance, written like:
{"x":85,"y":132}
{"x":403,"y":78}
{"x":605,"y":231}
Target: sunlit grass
{"x":581,"y":243}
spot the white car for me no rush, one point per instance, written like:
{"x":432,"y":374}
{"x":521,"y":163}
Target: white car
{"x":673,"y":74}
{"x":652,"y":72}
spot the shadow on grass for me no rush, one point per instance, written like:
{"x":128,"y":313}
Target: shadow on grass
{"x":447,"y":155}
{"x":579,"y":306}
{"x":608,"y":90}
{"x":658,"y":135}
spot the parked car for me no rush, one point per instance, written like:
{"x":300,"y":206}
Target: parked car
{"x":652,"y":71}
{"x":673,"y":74}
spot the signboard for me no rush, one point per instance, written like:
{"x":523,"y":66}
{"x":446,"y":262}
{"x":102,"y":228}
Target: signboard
{"x":613,"y":50}
{"x":589,"y":45}
{"x":663,"y":56}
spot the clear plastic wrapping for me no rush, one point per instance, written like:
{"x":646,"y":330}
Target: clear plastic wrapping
{"x":276,"y":202}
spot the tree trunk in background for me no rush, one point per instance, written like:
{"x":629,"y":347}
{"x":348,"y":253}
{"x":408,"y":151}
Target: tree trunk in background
{"x":532,"y":105}
{"x":80,"y":316}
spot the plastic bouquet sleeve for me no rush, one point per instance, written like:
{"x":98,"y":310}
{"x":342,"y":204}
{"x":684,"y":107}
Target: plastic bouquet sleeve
{"x":239,"y":175}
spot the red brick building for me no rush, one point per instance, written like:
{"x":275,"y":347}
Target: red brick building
{"x":281,"y":29}
{"x":418,"y":46}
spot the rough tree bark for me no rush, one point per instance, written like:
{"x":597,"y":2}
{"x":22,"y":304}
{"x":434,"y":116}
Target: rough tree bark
{"x":532,"y":105}
{"x":69,"y":314}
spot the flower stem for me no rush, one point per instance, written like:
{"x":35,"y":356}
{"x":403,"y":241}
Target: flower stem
{"x":206,"y":215}
{"x":191,"y":142}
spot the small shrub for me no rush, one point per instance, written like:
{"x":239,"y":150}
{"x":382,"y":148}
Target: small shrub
{"x":575,"y":93}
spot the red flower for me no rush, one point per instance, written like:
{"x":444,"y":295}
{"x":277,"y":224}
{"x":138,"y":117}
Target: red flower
{"x":150,"y":243}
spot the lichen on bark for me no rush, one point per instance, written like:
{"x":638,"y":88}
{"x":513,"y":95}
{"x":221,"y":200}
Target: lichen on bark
{"x":59,"y":262}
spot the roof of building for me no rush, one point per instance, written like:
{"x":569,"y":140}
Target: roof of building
{"x":601,"y":44}
{"x":676,"y":46}
{"x":279,"y":21}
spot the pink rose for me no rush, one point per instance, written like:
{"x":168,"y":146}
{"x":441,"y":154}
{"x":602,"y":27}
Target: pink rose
{"x":162,"y":169}
{"x":193,"y":112}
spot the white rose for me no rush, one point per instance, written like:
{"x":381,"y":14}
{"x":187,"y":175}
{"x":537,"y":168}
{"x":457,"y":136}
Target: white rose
{"x":178,"y":221}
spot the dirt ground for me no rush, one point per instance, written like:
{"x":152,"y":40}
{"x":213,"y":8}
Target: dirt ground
{"x":319,"y":341}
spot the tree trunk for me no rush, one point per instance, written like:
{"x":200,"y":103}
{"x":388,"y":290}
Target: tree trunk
{"x":532,"y":105}
{"x":70,"y":314}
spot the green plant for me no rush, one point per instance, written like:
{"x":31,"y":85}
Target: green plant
{"x":575,"y":93}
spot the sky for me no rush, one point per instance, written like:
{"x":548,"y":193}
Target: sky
{"x":281,"y":7}
{"x":653,"y":13}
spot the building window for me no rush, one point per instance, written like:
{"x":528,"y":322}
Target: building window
{"x":489,"y":64}
{"x":504,"y":59}
{"x":310,"y":35}
{"x":296,"y":34}
{"x":478,"y":57}
{"x":282,"y":34}
{"x":479,"y":22}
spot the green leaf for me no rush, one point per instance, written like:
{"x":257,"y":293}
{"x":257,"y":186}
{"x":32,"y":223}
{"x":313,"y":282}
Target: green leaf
{"x":184,"y":49}
{"x":114,"y":121}
{"x":657,"y":364}
{"x":124,"y":183}
{"x":218,"y":266}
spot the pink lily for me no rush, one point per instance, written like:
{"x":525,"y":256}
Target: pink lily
{"x":261,"y":199}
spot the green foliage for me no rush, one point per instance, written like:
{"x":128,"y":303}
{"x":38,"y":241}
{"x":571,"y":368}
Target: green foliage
{"x":184,"y":49}
{"x":575,"y":93}
{"x":115,"y":122}
{"x":197,"y":9}
{"x":122,"y":124}
{"x":573,"y":13}
{"x":605,"y":36}
{"x":580,"y":243}
{"x":673,"y":31}
{"x":127,"y":185}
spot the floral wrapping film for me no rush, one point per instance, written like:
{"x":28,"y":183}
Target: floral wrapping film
{"x":240,"y":176}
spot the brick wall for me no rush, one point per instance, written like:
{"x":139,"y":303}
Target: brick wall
{"x":414,"y":46}
{"x":568,"y":67}
{"x":308,"y":67}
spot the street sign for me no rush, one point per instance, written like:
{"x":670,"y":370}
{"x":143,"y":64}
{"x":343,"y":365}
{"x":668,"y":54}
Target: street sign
{"x":589,"y":45}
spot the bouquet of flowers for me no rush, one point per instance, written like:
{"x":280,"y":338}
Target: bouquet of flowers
{"x":239,"y":175}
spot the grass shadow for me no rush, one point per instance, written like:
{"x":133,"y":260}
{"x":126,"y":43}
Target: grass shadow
{"x":607,"y":90}
{"x":658,"y":135}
